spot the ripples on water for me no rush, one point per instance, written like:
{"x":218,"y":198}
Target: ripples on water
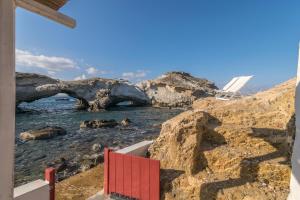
{"x":32,"y":156}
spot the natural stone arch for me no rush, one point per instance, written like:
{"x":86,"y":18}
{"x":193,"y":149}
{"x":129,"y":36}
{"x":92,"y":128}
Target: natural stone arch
{"x":94,"y":94}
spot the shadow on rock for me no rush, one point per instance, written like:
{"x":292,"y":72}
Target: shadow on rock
{"x":166,"y":178}
{"x":250,"y":166}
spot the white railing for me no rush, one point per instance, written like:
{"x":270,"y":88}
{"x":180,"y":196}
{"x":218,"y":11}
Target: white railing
{"x":36,"y":190}
{"x":39,"y":189}
{"x":138,"y":149}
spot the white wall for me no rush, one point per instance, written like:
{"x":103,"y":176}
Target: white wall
{"x":36,"y":190}
{"x":138,"y":149}
{"x":295,"y":177}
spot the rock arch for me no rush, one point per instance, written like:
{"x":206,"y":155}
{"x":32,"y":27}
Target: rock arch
{"x":94,"y":94}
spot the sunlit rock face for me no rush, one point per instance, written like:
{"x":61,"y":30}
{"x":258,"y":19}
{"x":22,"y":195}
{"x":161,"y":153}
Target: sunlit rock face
{"x":179,"y":143}
{"x":177,"y":89}
{"x":237,"y":149}
{"x":93,"y":94}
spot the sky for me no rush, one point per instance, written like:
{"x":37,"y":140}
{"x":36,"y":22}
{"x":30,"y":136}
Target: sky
{"x":142,"y":39}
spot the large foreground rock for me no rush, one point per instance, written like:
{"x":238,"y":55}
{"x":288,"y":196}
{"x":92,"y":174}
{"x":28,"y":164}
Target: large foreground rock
{"x":93,"y":94}
{"x":234,"y":150}
{"x":43,"y":133}
{"x":179,"y":143}
{"x":177,"y":89}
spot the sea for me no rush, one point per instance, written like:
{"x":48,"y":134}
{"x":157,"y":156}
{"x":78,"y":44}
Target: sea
{"x":32,"y":157}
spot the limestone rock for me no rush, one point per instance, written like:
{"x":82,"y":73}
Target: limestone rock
{"x":179,"y":143}
{"x":27,"y":84}
{"x":125,"y":122}
{"x":43,"y":133}
{"x":97,"y":147}
{"x":93,"y":94}
{"x":99,"y":124}
{"x":244,"y":148}
{"x":177,"y":89}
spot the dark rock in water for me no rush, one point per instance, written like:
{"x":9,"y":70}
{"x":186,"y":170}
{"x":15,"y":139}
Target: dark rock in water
{"x":125,"y":122}
{"x":99,"y":124}
{"x":43,"y":133}
{"x":62,"y":166}
{"x":81,"y":104}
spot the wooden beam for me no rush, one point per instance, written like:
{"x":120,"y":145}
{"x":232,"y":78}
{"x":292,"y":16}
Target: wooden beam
{"x":45,"y":11}
{"x":7,"y":98}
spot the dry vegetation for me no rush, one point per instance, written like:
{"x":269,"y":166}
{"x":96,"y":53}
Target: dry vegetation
{"x":81,"y":186}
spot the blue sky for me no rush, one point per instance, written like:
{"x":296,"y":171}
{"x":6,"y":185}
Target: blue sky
{"x":141,"y":39}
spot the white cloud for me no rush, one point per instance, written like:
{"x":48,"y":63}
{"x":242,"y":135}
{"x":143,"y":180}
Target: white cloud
{"x":135,"y":76}
{"x":91,"y":70}
{"x":50,"y":63}
{"x":81,"y":77}
{"x":51,"y":73}
{"x":94,"y":71}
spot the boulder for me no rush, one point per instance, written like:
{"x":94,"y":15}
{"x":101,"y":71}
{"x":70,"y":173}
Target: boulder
{"x":97,"y":147}
{"x":125,"y":122}
{"x":43,"y":133}
{"x":89,"y":161}
{"x":99,"y":124}
{"x":62,"y":165}
{"x":177,"y":89}
{"x":179,"y":143}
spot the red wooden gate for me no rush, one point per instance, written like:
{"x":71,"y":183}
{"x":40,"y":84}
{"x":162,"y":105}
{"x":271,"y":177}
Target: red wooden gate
{"x":131,"y":176}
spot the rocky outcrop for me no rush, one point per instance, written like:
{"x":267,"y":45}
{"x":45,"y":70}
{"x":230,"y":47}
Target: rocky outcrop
{"x":28,"y":84}
{"x":177,"y":89}
{"x":237,"y":149}
{"x":93,"y":94}
{"x":42,"y":134}
{"x":180,"y":141}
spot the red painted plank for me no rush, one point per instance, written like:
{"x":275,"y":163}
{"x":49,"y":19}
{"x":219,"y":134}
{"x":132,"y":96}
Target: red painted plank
{"x":112,"y":172}
{"x":50,"y":177}
{"x":135,"y":177}
{"x":127,"y":175}
{"x":154,"y":180}
{"x":106,"y":171}
{"x":119,"y":173}
{"x":145,"y":179}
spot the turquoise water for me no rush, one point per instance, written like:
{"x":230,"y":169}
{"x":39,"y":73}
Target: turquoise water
{"x":33,"y":157}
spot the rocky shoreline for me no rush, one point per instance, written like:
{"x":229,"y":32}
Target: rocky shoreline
{"x":66,"y":168}
{"x":174,"y":89}
{"x":237,"y":149}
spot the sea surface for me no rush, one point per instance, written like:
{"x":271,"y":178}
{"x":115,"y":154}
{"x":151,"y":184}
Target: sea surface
{"x":32,"y":157}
